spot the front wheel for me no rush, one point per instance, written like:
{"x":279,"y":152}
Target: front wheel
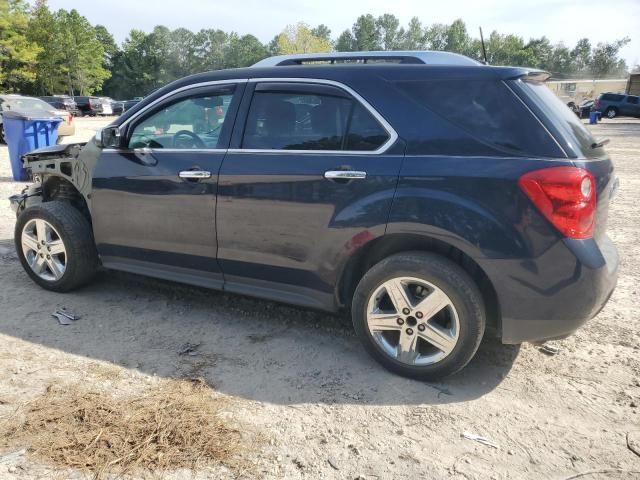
{"x":55,"y":246}
{"x":419,"y":314}
{"x":2,"y":136}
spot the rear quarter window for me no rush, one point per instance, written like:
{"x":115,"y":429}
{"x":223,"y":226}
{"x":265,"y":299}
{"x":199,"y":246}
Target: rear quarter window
{"x":485,"y":110}
{"x":566,"y":122}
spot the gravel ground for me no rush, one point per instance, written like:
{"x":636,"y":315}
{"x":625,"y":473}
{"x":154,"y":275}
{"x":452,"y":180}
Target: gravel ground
{"x":311,"y":402}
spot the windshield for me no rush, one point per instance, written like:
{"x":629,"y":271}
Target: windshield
{"x":26,"y":103}
{"x":563,"y":118}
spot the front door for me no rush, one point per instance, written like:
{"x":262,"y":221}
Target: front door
{"x":310,"y":180}
{"x":153,"y":203}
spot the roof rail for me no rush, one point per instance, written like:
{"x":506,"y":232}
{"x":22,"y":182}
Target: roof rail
{"x":404,"y":57}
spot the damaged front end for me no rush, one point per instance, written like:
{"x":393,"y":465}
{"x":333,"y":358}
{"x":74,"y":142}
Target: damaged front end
{"x":59,"y":172}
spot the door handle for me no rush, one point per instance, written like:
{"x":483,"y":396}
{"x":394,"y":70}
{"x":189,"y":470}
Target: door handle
{"x":194,"y":174}
{"x":345,"y":175}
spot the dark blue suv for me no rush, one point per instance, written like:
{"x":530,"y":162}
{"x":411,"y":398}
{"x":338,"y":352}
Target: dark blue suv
{"x":434,"y":197}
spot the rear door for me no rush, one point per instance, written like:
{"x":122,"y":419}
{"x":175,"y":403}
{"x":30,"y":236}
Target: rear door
{"x":153,"y":201}
{"x":310,"y":180}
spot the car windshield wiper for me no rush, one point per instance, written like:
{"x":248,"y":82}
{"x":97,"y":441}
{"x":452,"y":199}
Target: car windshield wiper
{"x":600,"y":143}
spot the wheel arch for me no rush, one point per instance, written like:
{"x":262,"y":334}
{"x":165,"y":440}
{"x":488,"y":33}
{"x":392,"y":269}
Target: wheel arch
{"x":58,"y":188}
{"x":382,"y":247}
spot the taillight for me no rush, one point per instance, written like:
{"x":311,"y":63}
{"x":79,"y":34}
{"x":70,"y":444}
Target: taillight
{"x":597,"y":104}
{"x":566,"y":196}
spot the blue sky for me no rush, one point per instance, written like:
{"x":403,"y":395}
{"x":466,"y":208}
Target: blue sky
{"x":560,"y":20}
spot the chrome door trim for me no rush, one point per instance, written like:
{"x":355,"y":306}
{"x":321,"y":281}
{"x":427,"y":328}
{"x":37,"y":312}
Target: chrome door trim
{"x":197,"y":174}
{"x":344,"y":174}
{"x":144,"y":150}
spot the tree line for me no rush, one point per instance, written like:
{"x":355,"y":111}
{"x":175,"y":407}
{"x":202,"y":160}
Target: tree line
{"x":44,"y":52}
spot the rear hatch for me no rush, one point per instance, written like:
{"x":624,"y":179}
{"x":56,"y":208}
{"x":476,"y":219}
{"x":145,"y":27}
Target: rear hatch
{"x":576,"y":140}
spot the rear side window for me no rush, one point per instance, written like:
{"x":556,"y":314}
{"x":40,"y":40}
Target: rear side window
{"x":281,"y":120}
{"x":485,"y":110}
{"x":612,"y":97}
{"x":568,"y":123}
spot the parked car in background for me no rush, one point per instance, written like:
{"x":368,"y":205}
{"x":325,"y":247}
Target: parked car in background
{"x":90,"y":106}
{"x":62,"y":102}
{"x":127,"y":104}
{"x":118,"y":107}
{"x":583,"y":109}
{"x":34,"y":106}
{"x":612,"y":105}
{"x":431,"y":196}
{"x":107,"y":109}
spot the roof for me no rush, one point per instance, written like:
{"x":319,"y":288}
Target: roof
{"x":401,"y":56}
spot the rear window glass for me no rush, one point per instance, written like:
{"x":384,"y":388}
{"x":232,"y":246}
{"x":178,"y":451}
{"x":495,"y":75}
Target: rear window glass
{"x":612,"y":97}
{"x":487,"y":111}
{"x":563,"y":118}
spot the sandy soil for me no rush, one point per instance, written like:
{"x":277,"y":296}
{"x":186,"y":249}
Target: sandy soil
{"x":315,"y":403}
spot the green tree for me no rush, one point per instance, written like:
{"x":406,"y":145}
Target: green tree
{"x":243,"y":51}
{"x":605,"y":61}
{"x":43,"y":31}
{"x":301,"y":39}
{"x":581,"y":55}
{"x":82,"y":53}
{"x":18,"y":54}
{"x":457,"y":38}
{"x":388,"y":27}
{"x":210,"y":45}
{"x":182,"y":50}
{"x":508,"y":50}
{"x":542,"y":51}
{"x":108,"y":44}
{"x":322,"y":31}
{"x":366,"y":33}
{"x":435,"y":36}
{"x":346,"y":42}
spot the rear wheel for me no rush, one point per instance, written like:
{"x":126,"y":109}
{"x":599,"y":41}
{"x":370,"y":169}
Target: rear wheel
{"x":55,"y":246}
{"x":611,"y":112}
{"x":419,"y":314}
{"x":2,"y":137}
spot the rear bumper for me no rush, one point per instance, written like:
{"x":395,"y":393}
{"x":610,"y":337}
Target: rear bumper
{"x":551,"y":296}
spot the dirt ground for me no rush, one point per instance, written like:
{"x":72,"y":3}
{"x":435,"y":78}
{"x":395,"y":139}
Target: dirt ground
{"x":312,"y":404}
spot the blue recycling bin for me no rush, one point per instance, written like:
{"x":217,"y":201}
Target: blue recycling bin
{"x":25,"y":132}
{"x":593,"y":117}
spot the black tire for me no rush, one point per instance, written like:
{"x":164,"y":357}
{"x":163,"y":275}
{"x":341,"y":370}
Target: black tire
{"x":611,"y":112}
{"x":3,"y":140}
{"x":76,"y":234}
{"x":453,"y":281}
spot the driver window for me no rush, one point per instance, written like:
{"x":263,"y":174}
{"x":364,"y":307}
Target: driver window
{"x":190,"y":123}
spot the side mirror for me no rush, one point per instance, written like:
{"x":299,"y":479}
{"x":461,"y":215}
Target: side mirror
{"x":108,"y":137}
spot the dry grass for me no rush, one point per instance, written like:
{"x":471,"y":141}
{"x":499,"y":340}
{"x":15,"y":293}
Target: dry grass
{"x":176,"y":424}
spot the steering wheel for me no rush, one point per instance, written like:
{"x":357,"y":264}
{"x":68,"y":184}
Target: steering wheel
{"x":196,"y":140}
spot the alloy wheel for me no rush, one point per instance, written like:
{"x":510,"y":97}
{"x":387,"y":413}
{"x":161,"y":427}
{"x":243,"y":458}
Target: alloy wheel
{"x":44,"y":250}
{"x":413,"y":321}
